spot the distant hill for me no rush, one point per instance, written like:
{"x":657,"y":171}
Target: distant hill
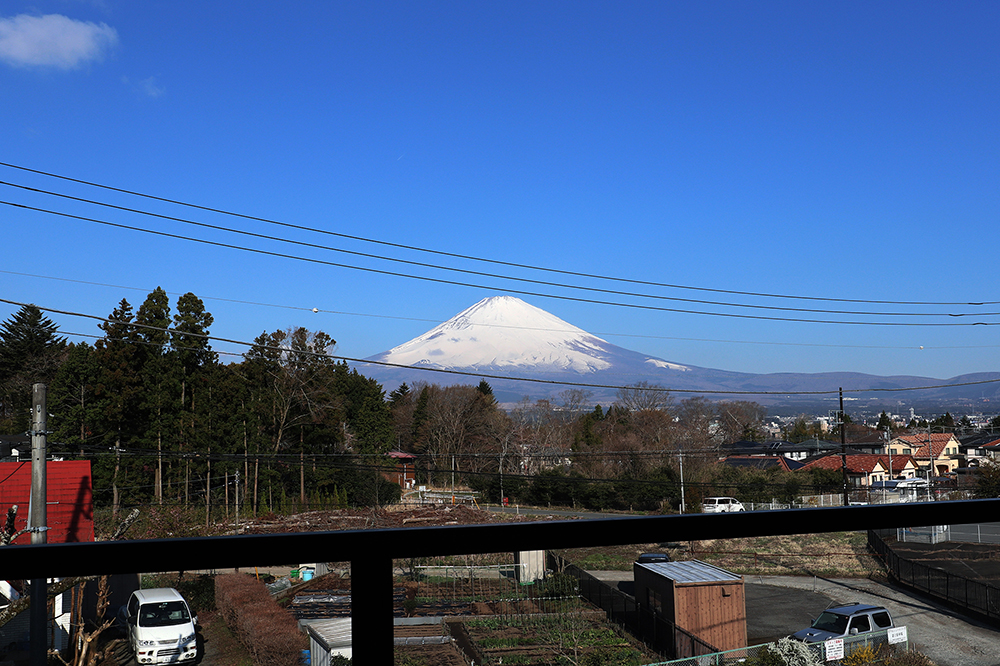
{"x":503,"y":336}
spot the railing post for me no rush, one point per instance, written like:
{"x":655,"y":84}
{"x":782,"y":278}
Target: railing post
{"x":371,"y":610}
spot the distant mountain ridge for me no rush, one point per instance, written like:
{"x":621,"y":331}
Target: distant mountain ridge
{"x":502,"y":336}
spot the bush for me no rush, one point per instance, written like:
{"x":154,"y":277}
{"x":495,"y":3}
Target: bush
{"x":267,"y":631}
{"x":794,"y":653}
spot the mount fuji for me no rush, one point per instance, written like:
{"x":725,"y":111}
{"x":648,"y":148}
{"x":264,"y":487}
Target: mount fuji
{"x":503,"y":337}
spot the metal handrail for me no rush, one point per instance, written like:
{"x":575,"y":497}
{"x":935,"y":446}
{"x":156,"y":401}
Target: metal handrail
{"x":371,"y":552}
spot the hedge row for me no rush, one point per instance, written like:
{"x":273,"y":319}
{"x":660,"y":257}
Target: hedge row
{"x":267,"y":630}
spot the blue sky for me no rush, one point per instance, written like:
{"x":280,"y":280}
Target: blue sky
{"x":820,"y":150}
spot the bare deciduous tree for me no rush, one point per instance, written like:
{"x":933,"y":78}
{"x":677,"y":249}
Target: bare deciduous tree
{"x":644,"y":397}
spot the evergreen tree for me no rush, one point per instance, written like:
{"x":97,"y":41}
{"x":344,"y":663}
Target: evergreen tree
{"x":399,"y":395}
{"x":192,"y":354}
{"x":72,"y":400}
{"x":117,"y":396}
{"x":30,"y":352}
{"x":160,"y":381}
{"x":946,"y":421}
{"x":420,"y":416}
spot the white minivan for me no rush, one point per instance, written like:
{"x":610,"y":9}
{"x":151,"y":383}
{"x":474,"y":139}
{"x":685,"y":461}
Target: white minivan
{"x":160,"y":627}
{"x":721,"y":505}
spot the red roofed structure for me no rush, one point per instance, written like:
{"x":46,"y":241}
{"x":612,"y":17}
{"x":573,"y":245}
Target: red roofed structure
{"x":69,"y":499}
{"x":866,"y":468}
{"x":405,"y":471}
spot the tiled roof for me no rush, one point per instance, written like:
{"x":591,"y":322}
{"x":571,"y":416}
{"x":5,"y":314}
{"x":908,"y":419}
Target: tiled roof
{"x":939,"y":441}
{"x":862,"y":463}
{"x":762,"y":462}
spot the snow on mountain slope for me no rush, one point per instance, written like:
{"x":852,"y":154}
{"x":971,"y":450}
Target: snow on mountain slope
{"x":505,"y":338}
{"x":503,"y":333}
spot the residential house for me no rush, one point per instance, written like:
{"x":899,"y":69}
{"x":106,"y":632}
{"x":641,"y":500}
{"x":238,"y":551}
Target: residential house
{"x":864,"y":469}
{"x":979,"y":447}
{"x":763,"y":462}
{"x":404,"y":473}
{"x":791,"y":450}
{"x":936,"y":452}
{"x":870,"y":443}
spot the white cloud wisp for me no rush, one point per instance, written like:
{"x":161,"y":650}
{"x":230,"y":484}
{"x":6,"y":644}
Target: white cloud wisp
{"x":53,"y":40}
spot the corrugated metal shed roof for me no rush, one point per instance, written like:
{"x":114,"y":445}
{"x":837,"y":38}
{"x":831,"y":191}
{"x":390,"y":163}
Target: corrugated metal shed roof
{"x":333,"y":633}
{"x":693,"y":571}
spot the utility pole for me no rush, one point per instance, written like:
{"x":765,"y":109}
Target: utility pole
{"x":680,"y":458}
{"x":843,"y":449}
{"x":38,"y":617}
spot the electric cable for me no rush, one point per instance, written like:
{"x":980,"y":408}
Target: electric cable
{"x":609,"y":334}
{"x":480,"y":375}
{"x":541,"y":283}
{"x":481,"y":259}
{"x":513,"y":291}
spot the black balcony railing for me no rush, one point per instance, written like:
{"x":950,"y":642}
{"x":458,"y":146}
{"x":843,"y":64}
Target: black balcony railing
{"x":371,"y":552}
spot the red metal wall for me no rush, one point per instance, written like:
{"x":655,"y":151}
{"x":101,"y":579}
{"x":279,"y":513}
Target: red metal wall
{"x":70,"y":501}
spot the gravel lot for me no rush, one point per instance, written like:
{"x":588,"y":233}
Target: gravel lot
{"x":780,"y":605}
{"x":945,"y":636}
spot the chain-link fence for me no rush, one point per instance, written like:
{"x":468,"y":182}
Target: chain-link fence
{"x":869,"y":648}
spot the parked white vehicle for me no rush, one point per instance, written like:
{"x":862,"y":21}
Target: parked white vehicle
{"x":721,"y":505}
{"x":160,"y":626}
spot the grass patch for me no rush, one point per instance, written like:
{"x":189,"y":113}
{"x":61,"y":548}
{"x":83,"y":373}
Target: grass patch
{"x":843,"y":554}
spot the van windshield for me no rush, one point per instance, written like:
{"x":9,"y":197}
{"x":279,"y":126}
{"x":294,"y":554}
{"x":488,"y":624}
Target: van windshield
{"x":163,"y":614}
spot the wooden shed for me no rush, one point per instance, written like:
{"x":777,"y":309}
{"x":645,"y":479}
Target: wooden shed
{"x":702,"y":599}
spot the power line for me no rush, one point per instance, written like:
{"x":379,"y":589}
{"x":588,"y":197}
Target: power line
{"x":489,"y":325}
{"x":481,"y":259}
{"x":480,"y":375}
{"x":543,"y":283}
{"x":512,"y":291}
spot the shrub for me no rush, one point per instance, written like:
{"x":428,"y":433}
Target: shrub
{"x":794,"y":653}
{"x":861,"y":656}
{"x":267,"y":631}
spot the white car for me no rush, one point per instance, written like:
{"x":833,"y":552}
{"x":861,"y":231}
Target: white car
{"x":160,"y":626}
{"x":721,"y":505}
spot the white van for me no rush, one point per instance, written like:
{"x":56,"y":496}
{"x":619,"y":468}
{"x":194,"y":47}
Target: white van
{"x":160,"y":627}
{"x":721,"y":505}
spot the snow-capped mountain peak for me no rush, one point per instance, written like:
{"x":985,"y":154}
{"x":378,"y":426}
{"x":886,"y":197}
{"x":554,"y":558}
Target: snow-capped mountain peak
{"x":503,"y":333}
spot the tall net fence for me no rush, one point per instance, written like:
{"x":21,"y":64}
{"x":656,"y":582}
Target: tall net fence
{"x":970,"y":595}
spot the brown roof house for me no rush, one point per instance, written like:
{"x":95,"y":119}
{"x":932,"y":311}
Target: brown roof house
{"x":937,"y":450}
{"x":864,"y":469}
{"x":403,"y":471}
